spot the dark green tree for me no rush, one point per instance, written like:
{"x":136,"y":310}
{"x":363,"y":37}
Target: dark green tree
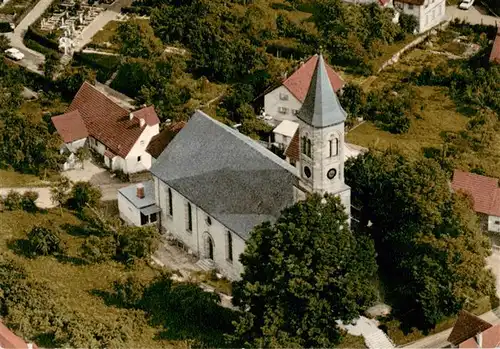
{"x":4,"y":44}
{"x":301,"y":274}
{"x":84,"y":194}
{"x":137,"y":40}
{"x":43,"y":241}
{"x":50,"y":66}
{"x":427,"y":238}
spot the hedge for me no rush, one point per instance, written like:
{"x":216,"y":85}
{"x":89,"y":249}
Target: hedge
{"x":104,"y":65}
{"x":5,"y":27}
{"x":33,"y":34}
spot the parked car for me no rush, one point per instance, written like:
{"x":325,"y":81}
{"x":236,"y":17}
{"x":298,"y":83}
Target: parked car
{"x":14,"y":53}
{"x":466,"y":4}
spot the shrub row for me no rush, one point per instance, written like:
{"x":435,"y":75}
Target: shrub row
{"x":16,"y":201}
{"x":35,"y":35}
{"x":104,"y":65}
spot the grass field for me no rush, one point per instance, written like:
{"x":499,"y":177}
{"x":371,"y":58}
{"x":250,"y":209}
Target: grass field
{"x":103,"y":39}
{"x":74,"y":284}
{"x":438,"y":113}
{"x":10,"y":179}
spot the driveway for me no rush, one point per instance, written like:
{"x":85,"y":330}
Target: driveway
{"x":474,"y":15}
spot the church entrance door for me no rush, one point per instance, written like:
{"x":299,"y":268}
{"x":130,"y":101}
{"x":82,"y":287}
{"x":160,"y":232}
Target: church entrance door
{"x":209,"y":246}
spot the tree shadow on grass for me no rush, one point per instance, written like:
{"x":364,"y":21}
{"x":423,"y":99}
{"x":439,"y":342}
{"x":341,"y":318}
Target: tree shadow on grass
{"x":22,"y":247}
{"x":75,"y":230}
{"x":183,"y":311}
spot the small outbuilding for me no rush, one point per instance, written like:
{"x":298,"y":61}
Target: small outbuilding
{"x":137,"y":204}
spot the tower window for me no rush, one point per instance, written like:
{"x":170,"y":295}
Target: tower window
{"x":333,"y":147}
{"x":308,"y":150}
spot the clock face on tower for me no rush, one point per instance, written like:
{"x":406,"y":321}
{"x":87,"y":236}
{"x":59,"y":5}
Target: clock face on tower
{"x":331,"y":173}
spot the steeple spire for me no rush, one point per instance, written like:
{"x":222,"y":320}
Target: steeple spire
{"x":321,"y":107}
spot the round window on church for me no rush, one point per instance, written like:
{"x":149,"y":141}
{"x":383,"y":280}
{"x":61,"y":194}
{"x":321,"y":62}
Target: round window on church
{"x":307,"y":172}
{"x":331,"y":173}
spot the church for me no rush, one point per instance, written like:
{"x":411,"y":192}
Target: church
{"x":211,"y":185}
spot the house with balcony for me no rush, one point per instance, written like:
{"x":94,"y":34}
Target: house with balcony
{"x":119,"y":135}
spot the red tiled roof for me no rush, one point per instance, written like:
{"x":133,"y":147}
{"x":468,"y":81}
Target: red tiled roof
{"x":383,"y":2}
{"x":467,"y":326}
{"x":8,"y":340}
{"x":106,"y":121}
{"x":160,"y":141}
{"x":495,"y":51}
{"x":298,"y":83}
{"x":412,"y":2}
{"x":484,"y":190}
{"x":148,"y":114}
{"x":109,"y":154}
{"x":70,"y":126}
{"x":490,"y":339}
{"x":293,"y":149}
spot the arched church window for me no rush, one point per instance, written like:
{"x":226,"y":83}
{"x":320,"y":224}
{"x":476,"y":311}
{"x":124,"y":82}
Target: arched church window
{"x":304,"y":145}
{"x":309,"y":146}
{"x":333,"y":147}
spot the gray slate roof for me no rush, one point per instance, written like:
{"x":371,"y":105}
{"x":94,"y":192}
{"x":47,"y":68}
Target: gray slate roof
{"x":130,"y":193}
{"x":321,"y":107}
{"x":228,"y":175}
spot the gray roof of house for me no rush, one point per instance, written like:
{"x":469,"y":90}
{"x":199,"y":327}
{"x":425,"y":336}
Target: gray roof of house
{"x":226,"y":174}
{"x":130,"y":193}
{"x":321,"y":106}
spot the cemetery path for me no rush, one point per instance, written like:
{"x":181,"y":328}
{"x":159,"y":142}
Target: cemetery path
{"x":97,"y":24}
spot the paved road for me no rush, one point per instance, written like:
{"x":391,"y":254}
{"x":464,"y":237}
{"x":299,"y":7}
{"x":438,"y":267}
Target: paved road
{"x":472,"y":15}
{"x":32,"y":59}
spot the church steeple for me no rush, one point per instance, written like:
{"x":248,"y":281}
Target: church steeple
{"x":321,"y":107}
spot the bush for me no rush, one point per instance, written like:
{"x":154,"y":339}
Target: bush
{"x":129,"y":293}
{"x":33,"y":34}
{"x":104,"y":65}
{"x":43,"y":241}
{"x":98,"y":250}
{"x":28,"y":201}
{"x":13,"y":201}
{"x":84,"y":194}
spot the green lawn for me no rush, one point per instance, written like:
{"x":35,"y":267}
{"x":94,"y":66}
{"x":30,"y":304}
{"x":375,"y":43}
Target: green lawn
{"x":352,"y":342}
{"x":105,"y":35}
{"x":10,"y":179}
{"x":438,"y":113}
{"x":74,"y":285}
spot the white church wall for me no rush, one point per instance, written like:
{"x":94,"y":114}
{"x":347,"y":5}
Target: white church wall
{"x":195,"y":240}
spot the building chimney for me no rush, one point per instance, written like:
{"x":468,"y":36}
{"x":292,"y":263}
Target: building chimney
{"x":479,"y":340}
{"x":131,"y":116}
{"x":140,"y":191}
{"x":142,"y":122}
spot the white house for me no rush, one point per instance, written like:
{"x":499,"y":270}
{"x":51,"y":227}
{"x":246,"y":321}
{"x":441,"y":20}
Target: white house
{"x":283,"y":133}
{"x":213,"y":184}
{"x":382,"y":3}
{"x":284,"y":102}
{"x":486,"y":196}
{"x":121,"y":136}
{"x":137,"y":204}
{"x":428,"y":13}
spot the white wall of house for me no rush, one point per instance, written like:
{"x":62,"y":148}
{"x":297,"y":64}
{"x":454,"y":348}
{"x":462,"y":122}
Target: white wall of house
{"x":430,"y":14}
{"x":494,"y":224}
{"x":281,"y":104}
{"x":128,"y":212}
{"x":196,"y":239}
{"x":138,"y":159}
{"x":75,"y":145}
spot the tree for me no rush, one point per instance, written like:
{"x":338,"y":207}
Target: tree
{"x":72,"y":78}
{"x":43,"y":241}
{"x":408,"y":23}
{"x":301,"y":274}
{"x":59,"y":191}
{"x":83,"y":154}
{"x":4,"y":43}
{"x":137,"y":39}
{"x":84,"y":194}
{"x":50,"y":65}
{"x":431,"y":251}
{"x":352,"y":99}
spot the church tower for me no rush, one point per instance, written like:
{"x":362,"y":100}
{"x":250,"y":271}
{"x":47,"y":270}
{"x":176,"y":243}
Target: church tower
{"x":321,"y":138}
